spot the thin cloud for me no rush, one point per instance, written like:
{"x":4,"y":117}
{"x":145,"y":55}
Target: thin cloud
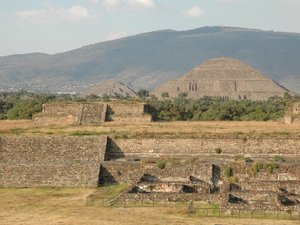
{"x":132,"y":4}
{"x":115,"y":36}
{"x":143,"y":3}
{"x":53,"y":14}
{"x":195,"y":11}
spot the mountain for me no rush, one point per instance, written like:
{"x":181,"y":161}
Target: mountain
{"x":222,"y":77}
{"x":150,"y":59}
{"x":111,"y":88}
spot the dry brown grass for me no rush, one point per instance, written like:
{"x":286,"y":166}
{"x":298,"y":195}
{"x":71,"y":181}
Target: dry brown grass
{"x":157,"y":128}
{"x":6,"y":125}
{"x":67,"y":206}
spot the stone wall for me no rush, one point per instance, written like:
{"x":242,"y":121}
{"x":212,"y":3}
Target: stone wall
{"x":92,"y":113}
{"x":120,"y":172}
{"x":128,"y":112}
{"x":50,"y":161}
{"x":59,"y":113}
{"x":61,"y":109}
{"x":272,"y":186}
{"x":251,"y":147}
{"x":285,"y":172}
{"x":132,"y":172}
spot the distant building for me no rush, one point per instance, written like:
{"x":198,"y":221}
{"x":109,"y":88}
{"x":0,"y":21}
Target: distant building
{"x":222,"y":77}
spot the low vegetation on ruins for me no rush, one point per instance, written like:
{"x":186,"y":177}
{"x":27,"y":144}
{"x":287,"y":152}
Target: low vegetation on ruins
{"x":22,"y":105}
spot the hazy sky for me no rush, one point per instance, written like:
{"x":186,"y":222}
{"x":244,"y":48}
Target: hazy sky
{"x":57,"y":26}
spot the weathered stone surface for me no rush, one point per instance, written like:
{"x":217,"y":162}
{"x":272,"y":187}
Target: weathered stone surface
{"x":223,"y":77}
{"x":256,"y":147}
{"x":92,"y":113}
{"x":128,"y":112}
{"x":50,"y":161}
{"x":190,"y":171}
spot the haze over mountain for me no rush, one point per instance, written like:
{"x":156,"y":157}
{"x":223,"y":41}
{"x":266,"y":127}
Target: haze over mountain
{"x":148,"y":60}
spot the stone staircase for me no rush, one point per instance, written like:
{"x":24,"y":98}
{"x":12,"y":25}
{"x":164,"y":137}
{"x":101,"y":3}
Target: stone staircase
{"x":92,"y":114}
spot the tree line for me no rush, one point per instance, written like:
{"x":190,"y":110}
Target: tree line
{"x":22,"y":105}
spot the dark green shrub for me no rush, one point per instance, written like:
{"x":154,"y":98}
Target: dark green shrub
{"x":161,"y":164}
{"x":218,"y":150}
{"x":278,"y":158}
{"x":270,"y":167}
{"x":256,"y":168}
{"x":228,"y":171}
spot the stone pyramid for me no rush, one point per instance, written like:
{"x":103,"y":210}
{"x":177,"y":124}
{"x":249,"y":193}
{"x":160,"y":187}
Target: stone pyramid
{"x":223,"y":77}
{"x":111,"y":88}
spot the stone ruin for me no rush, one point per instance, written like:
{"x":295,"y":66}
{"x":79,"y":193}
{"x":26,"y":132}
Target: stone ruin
{"x":192,"y":168}
{"x":293,"y":114}
{"x":92,"y":113}
{"x":195,"y":172}
{"x":222,"y":77}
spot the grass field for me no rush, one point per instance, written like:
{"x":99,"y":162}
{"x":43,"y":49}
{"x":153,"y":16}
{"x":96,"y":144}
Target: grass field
{"x":177,"y":129}
{"x":67,"y":206}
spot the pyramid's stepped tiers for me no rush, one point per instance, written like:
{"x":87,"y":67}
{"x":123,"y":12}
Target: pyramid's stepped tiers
{"x":252,"y":147}
{"x":223,"y":77}
{"x":33,"y":161}
{"x":110,"y":88}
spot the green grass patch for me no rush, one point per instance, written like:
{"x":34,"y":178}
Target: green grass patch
{"x":17,"y":131}
{"x":106,"y":194}
{"x":86,"y":133}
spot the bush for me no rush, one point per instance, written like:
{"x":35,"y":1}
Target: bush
{"x":161,"y":164}
{"x":278,"y":158}
{"x":165,"y":95}
{"x":270,"y":167}
{"x":256,"y":168}
{"x":142,"y":93}
{"x":228,"y":171}
{"x":218,"y":150}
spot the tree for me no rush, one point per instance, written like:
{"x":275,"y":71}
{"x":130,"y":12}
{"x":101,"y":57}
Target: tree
{"x":142,"y":93}
{"x":183,"y":95}
{"x":165,"y":95}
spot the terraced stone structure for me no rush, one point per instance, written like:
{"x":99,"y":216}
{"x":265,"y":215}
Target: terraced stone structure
{"x":222,"y":77}
{"x":194,"y":171}
{"x":92,"y":113}
{"x":248,"y":173}
{"x":111,"y":88}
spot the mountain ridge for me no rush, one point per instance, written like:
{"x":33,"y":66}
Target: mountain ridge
{"x":149,"y":59}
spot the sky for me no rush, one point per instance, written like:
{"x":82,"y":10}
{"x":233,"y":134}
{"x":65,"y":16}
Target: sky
{"x":57,"y":26}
